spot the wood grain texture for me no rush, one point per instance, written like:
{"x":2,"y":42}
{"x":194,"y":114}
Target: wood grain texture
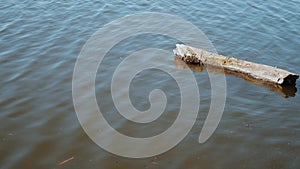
{"x":257,"y":71}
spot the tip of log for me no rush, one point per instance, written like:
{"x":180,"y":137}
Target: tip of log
{"x":290,"y":79}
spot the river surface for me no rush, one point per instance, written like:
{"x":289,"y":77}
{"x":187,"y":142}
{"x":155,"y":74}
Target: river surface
{"x":41,"y":40}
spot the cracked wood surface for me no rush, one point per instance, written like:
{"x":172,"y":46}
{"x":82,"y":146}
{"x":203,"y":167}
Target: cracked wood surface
{"x":258,"y":71}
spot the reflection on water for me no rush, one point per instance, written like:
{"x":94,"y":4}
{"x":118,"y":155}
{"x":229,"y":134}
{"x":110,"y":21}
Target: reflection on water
{"x":285,"y":90}
{"x":40,"y":41}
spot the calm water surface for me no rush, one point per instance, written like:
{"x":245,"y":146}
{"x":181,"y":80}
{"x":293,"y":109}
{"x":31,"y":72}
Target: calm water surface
{"x":40,"y":41}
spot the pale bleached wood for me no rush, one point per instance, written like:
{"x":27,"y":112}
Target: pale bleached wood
{"x":258,"y":71}
{"x":285,"y":90}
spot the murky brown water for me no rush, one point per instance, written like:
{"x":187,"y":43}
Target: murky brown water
{"x":40,"y":42}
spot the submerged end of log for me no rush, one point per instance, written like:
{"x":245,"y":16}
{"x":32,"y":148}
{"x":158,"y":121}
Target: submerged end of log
{"x":262,"y":72}
{"x":290,"y":79}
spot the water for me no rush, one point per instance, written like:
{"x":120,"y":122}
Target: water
{"x":40,"y":41}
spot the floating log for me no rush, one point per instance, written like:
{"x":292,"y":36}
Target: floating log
{"x":257,"y":71}
{"x":286,"y":91}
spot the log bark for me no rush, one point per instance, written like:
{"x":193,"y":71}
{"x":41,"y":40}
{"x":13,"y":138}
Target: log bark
{"x":257,"y":71}
{"x":286,"y":91}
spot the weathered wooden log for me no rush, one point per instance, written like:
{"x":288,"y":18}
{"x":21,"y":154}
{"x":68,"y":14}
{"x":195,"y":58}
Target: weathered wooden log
{"x":257,"y":71}
{"x":285,"y":90}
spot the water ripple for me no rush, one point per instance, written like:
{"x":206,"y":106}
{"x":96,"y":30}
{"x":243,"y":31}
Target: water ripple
{"x":40,"y":41}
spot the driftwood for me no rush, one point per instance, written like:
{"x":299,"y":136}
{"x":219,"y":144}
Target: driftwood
{"x":285,"y":90}
{"x":268,"y":74}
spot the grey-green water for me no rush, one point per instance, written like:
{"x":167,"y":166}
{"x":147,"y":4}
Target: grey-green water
{"x":40,"y":41}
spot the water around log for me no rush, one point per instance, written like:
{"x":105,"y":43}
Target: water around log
{"x":40,"y":41}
